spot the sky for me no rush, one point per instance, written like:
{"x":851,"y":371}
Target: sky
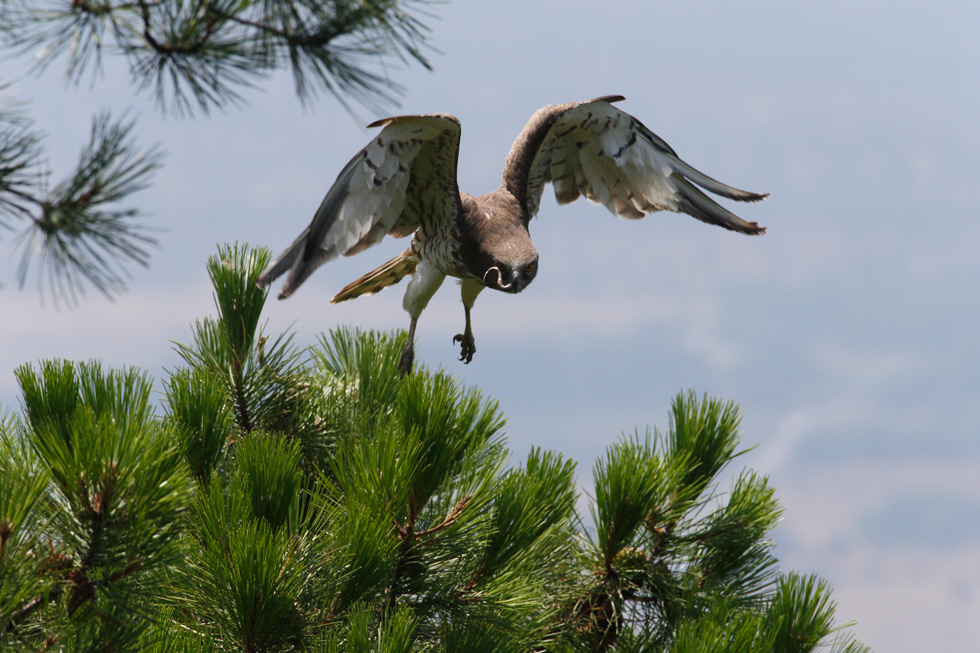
{"x":847,"y":333}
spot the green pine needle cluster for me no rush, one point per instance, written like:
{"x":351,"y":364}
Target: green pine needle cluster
{"x":291,"y":500}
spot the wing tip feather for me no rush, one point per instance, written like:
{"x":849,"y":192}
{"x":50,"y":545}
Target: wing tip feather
{"x":752,"y":197}
{"x":607,"y":98}
{"x":384,"y":122}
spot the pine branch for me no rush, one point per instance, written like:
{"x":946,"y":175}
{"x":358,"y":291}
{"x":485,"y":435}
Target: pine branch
{"x":204,"y":53}
{"x":450,"y":518}
{"x":20,"y":150}
{"x":77,"y":238}
{"x":407,"y":536}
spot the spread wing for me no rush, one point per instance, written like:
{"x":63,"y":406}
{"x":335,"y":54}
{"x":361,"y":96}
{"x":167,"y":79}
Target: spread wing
{"x":410,"y":164}
{"x":594,"y":149}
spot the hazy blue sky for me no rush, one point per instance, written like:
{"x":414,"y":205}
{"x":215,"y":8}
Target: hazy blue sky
{"x":848,"y":333}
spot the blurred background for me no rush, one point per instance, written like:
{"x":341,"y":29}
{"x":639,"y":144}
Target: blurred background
{"x":848,"y":333}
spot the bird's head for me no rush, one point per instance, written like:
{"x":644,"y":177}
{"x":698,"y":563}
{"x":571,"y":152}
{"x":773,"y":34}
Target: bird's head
{"x":496,"y":239}
{"x":512,"y":273}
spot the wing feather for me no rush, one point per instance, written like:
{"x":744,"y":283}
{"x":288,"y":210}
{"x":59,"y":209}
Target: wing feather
{"x":411,"y":163}
{"x":593,"y":149}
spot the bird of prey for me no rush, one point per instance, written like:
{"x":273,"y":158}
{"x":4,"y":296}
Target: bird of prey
{"x":403,"y":183}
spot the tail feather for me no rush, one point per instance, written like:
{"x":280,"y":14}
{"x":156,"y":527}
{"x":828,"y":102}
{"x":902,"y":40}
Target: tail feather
{"x":296,"y":260}
{"x":387,"y":275}
{"x":284,"y":263}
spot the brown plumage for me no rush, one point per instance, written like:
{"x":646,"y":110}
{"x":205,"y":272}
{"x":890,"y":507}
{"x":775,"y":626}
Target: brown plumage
{"x":404,"y":182}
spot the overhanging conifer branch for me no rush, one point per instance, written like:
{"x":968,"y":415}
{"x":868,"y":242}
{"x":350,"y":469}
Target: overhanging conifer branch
{"x":77,"y":235}
{"x":204,"y":53}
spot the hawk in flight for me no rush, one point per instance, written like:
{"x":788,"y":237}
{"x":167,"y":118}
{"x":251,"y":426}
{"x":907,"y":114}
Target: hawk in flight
{"x":403,"y":183}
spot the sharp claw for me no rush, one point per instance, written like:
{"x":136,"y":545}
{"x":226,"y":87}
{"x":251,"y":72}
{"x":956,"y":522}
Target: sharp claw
{"x":467,"y":347}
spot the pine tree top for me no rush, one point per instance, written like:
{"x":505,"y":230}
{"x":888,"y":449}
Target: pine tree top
{"x":313,"y":500}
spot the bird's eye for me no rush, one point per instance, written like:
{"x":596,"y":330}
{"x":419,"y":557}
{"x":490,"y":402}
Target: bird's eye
{"x":529,"y":268}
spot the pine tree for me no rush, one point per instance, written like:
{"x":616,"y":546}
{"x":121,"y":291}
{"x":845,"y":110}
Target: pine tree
{"x":291,"y":500}
{"x":194,"y":55}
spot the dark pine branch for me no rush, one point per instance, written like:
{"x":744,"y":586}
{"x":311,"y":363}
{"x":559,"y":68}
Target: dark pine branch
{"x":76,"y":236}
{"x":205,"y":52}
{"x":20,"y":150}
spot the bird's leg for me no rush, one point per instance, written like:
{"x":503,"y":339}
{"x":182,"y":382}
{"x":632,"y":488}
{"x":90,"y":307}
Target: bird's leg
{"x":469,"y":291}
{"x":408,"y":353}
{"x":424,"y":284}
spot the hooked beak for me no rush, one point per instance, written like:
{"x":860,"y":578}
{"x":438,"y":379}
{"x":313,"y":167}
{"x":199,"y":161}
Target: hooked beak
{"x":500,"y":285}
